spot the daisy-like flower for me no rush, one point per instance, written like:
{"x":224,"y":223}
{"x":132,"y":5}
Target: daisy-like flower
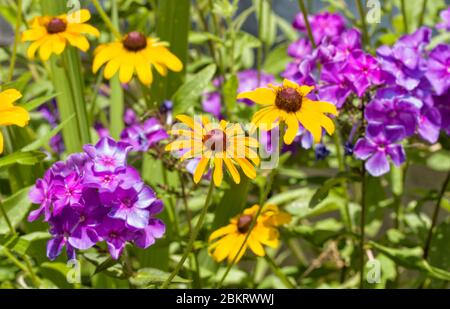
{"x":10,"y":114}
{"x":233,"y":235}
{"x":215,"y":144}
{"x":135,"y":53}
{"x":289,"y":103}
{"x":50,"y":34}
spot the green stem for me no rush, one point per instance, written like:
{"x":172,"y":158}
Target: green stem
{"x":171,"y":206}
{"x":405,"y":20}
{"x":117,"y":101}
{"x":422,"y":12}
{"x":365,"y":34}
{"x":193,"y":237}
{"x":302,"y":6}
{"x":8,"y":222}
{"x":16,"y":41}
{"x":27,"y":268}
{"x":363,"y":207}
{"x":106,"y":19}
{"x":426,"y":248}
{"x":279,"y":272}
{"x":260,"y":48}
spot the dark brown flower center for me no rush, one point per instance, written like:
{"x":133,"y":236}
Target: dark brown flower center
{"x":56,"y":25}
{"x":289,"y":100}
{"x":135,"y":41}
{"x":215,"y":140}
{"x":244,"y":223}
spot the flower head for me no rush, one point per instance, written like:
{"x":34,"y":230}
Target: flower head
{"x":10,"y":114}
{"x":438,"y":72}
{"x":289,"y":103}
{"x":144,"y":136}
{"x":215,"y":144}
{"x":377,"y":145}
{"x":51,"y":34}
{"x":135,"y":53}
{"x":232,"y":236}
{"x":108,"y":155}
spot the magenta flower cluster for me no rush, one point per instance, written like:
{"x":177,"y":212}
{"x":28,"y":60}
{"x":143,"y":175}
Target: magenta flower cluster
{"x":95,"y":197}
{"x":410,"y":85}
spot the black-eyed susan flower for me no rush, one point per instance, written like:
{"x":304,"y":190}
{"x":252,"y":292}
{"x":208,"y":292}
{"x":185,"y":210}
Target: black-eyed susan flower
{"x":215,"y":145}
{"x":135,"y":53}
{"x":10,"y":114}
{"x":289,"y":103}
{"x":226,"y":241}
{"x":50,"y":34}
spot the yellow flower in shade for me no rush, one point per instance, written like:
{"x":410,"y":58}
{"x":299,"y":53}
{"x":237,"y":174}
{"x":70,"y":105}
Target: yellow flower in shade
{"x":50,"y":34}
{"x":226,"y":241}
{"x":215,"y":145}
{"x":135,"y":53}
{"x":10,"y":114}
{"x":288,"y":103}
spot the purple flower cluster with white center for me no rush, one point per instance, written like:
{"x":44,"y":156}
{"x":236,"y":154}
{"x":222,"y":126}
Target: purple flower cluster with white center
{"x":410,"y":84}
{"x":93,"y":197}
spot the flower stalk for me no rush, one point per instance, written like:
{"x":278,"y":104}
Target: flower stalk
{"x":302,"y":6}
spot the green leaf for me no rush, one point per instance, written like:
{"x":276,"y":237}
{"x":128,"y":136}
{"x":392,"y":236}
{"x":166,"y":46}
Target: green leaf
{"x":16,"y":207}
{"x":31,"y":105}
{"x":323,"y":191}
{"x":149,"y":276}
{"x":192,"y":89}
{"x":411,"y":258}
{"x":230,"y":92}
{"x":439,"y":248}
{"x":20,"y":244}
{"x":41,"y":142}
{"x":23,"y":158}
{"x":268,"y":23}
{"x":439,"y":161}
{"x":276,"y":60}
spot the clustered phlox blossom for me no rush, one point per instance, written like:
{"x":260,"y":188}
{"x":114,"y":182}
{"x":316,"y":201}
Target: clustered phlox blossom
{"x":95,"y":196}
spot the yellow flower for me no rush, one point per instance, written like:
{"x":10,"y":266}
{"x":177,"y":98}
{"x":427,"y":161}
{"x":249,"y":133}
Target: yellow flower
{"x":10,"y":114}
{"x":135,"y":53}
{"x":288,"y":103}
{"x":215,"y":144}
{"x":50,"y":34}
{"x":232,"y":236}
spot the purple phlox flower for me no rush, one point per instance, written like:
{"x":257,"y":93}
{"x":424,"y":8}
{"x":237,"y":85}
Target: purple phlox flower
{"x":321,"y":152}
{"x":109,"y":182}
{"x":130,"y":117}
{"x":429,"y":124}
{"x":322,"y":25}
{"x":144,"y":136}
{"x":101,"y":130}
{"x":348,"y":148}
{"x":212,"y":103}
{"x":445,"y":16}
{"x":442,"y":103}
{"x":116,"y":234}
{"x":147,"y":236}
{"x":404,"y":61}
{"x":108,"y":155}
{"x":363,"y":71}
{"x":379,"y":143}
{"x":166,"y":109}
{"x":393,"y":106}
{"x":346,"y":43}
{"x":67,"y":191}
{"x":336,"y":87}
{"x":61,"y":228}
{"x":42,"y":194}
{"x":134,"y":205}
{"x":300,"y":48}
{"x":438,"y":72}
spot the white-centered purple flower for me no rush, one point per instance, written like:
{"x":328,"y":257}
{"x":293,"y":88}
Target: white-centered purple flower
{"x":108,"y":155}
{"x":378,"y":144}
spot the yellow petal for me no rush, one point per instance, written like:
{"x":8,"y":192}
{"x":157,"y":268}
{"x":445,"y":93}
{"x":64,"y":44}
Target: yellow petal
{"x":290,"y":84}
{"x":224,"y":247}
{"x":189,"y":121}
{"x":261,"y":114}
{"x":166,"y":58}
{"x":162,"y":70}
{"x":143,"y":70}
{"x":255,"y":246}
{"x":304,"y":90}
{"x":112,"y":67}
{"x":311,"y":125}
{"x":230,"y":228}
{"x":8,"y":97}
{"x":59,"y":44}
{"x":78,"y":17}
{"x":77,"y":40}
{"x":218,"y":172}
{"x":46,"y":49}
{"x":1,"y":143}
{"x":82,"y":28}
{"x":14,"y":115}
{"x":237,"y":244}
{"x":126,"y":68}
{"x":104,"y":55}
{"x":232,"y":169}
{"x":326,"y":107}
{"x":263,"y":96}
{"x":34,"y":46}
{"x":200,"y":170}
{"x":247,"y":167}
{"x":292,"y":129}
{"x":34,"y":34}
